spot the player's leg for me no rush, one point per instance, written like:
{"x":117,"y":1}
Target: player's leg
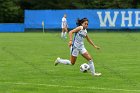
{"x":74,"y":54}
{"x":62,"y":61}
{"x":87,"y":56}
{"x":62,"y":33}
{"x":65,"y":32}
{"x":73,"y":59}
{"x":65,"y":61}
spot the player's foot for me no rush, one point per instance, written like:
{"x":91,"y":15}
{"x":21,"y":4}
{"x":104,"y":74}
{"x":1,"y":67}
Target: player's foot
{"x":97,"y":74}
{"x":56,"y":61}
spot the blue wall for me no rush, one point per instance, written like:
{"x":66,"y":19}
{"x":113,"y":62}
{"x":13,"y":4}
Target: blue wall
{"x":98,"y":19}
{"x":11,"y":27}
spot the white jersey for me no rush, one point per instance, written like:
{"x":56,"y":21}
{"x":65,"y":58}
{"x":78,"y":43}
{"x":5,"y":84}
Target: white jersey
{"x":64,"y":22}
{"x":78,"y":41}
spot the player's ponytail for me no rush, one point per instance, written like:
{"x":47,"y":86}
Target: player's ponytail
{"x":80,"y":21}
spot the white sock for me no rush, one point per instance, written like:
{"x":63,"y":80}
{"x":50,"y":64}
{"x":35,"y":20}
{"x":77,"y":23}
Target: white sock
{"x":92,"y":68}
{"x":62,"y":34}
{"x":65,"y":34}
{"x":64,"y":61}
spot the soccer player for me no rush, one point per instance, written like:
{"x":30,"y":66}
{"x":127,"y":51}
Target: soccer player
{"x":64,"y":26}
{"x":77,"y":46}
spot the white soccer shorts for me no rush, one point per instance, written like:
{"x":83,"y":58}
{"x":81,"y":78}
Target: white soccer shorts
{"x":75,"y":51}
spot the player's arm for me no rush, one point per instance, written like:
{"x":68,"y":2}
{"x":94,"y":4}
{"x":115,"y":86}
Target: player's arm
{"x":91,"y":42}
{"x":71,"y":33}
{"x":67,"y":25}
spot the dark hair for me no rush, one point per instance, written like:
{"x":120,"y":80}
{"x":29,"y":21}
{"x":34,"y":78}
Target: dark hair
{"x":80,"y":21}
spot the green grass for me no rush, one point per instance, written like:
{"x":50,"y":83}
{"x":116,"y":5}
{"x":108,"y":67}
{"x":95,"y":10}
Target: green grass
{"x":27,"y":64}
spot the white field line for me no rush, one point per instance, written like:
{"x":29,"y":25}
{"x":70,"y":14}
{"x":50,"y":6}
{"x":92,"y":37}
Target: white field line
{"x":50,"y":85}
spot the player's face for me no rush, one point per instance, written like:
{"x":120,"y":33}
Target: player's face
{"x":85,"y":24}
{"x":65,"y":15}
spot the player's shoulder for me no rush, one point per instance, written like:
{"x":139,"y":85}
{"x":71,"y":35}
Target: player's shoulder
{"x":81,"y":27}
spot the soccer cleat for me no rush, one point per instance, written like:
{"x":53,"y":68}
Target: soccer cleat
{"x":97,"y":74}
{"x":56,"y":61}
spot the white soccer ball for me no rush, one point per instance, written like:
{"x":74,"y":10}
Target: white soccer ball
{"x":84,"y":67}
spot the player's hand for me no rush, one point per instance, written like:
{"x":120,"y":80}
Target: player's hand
{"x":97,"y":47}
{"x":70,"y":43}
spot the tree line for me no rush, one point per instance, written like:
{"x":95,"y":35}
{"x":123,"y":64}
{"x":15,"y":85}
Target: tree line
{"x":12,"y":11}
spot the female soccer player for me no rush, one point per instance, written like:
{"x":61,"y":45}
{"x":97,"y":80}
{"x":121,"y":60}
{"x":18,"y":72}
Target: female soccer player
{"x":77,"y":46}
{"x":64,"y":26}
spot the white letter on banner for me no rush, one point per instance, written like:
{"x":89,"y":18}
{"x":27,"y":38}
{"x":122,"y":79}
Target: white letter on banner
{"x":107,"y":17}
{"x":137,"y":20}
{"x":129,"y":18}
{"x":102,"y":24}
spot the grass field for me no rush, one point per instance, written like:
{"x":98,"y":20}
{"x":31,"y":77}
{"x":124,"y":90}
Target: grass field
{"x":27,"y":64}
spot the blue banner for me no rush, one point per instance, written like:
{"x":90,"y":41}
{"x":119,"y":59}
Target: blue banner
{"x":11,"y":27}
{"x":98,"y":19}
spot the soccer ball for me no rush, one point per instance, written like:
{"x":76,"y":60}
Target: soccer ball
{"x":84,"y":67}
